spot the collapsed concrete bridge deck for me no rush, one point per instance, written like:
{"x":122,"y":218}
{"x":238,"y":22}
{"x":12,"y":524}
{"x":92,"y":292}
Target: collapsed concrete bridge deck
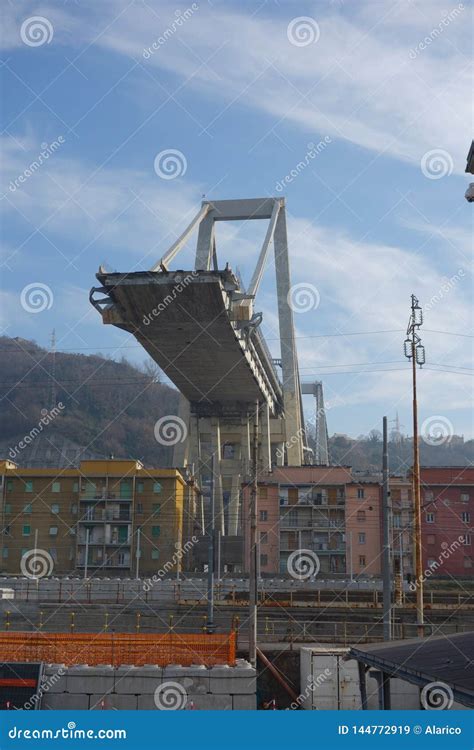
{"x":196,"y":326}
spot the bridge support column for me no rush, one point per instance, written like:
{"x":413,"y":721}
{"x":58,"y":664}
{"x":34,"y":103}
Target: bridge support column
{"x":234,"y":504}
{"x":289,"y":364}
{"x":266,"y":444}
{"x":181,"y":451}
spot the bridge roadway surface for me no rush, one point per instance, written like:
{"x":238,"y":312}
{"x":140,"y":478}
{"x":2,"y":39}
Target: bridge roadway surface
{"x":185,"y":321}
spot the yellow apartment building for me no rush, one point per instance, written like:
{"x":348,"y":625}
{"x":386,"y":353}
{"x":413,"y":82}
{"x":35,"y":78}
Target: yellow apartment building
{"x":104,"y":518}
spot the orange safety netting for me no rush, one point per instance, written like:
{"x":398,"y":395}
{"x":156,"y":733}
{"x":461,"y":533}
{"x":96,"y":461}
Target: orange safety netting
{"x":118,"y":648}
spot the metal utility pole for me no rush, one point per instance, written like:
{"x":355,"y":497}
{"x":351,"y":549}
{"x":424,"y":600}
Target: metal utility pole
{"x":387,"y":574}
{"x":138,"y":553}
{"x":210,"y":626}
{"x":415,"y":351}
{"x":349,"y":555}
{"x":87,"y":552}
{"x":253,"y":567}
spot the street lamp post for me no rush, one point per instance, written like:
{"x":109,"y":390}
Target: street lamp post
{"x":415,"y":351}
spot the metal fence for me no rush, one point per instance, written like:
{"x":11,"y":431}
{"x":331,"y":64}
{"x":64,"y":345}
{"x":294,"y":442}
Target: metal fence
{"x":118,"y":648}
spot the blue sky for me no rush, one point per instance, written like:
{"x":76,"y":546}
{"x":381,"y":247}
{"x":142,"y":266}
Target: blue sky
{"x":242,"y":90}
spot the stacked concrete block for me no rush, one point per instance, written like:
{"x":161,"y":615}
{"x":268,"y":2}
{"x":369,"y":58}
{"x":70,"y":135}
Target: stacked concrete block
{"x":150,"y":687}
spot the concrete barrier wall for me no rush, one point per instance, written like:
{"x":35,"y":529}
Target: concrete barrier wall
{"x":149,"y":688}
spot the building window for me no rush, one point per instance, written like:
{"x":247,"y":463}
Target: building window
{"x":56,"y":487}
{"x":263,"y":537}
{"x":5,"y":552}
{"x":27,"y":508}
{"x":361,"y":515}
{"x":75,"y":487}
{"x":264,"y":515}
{"x":155,"y":554}
{"x":54,"y":553}
{"x":29,"y":485}
{"x":9,"y":485}
{"x":431,"y":539}
{"x":360,"y":493}
{"x":228,"y":451}
{"x":468,"y":562}
{"x":53,"y":530}
{"x":432,"y":563}
{"x":157,"y":488}
{"x":362,"y":537}
{"x":263,"y":492}
{"x":293,"y":518}
{"x":8,"y":508}
{"x":126,"y":489}
{"x":362,"y":561}
{"x":140,"y":486}
{"x":430,"y":518}
{"x":156,"y":508}
{"x":466,"y":540}
{"x":139,"y":508}
{"x":264,"y":561}
{"x":397,"y":521}
{"x":464,"y":497}
{"x":465,"y":517}
{"x":26,"y":530}
{"x":155,"y":530}
{"x":74,"y":509}
{"x":7,"y":530}
{"x":429,"y":496}
{"x":55,"y":508}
